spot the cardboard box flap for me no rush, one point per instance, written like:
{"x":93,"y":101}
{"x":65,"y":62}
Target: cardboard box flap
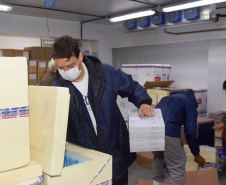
{"x":48,"y":114}
{"x":13,"y":63}
{"x":150,"y":84}
{"x":218,"y":133}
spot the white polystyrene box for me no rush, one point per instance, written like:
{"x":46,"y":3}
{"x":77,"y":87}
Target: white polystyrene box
{"x":18,"y":175}
{"x":147,"y":72}
{"x":146,"y":133}
{"x":96,"y":168}
{"x":14,"y":116}
{"x":49,"y":108}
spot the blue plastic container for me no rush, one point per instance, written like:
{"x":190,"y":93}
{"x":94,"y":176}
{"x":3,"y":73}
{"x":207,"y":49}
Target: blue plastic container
{"x":130,"y":24}
{"x":174,"y":17}
{"x":143,"y":21}
{"x":192,"y":13}
{"x":158,"y":18}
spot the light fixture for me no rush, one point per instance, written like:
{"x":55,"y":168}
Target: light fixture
{"x":5,"y":7}
{"x":132,"y":16}
{"x":191,"y":5}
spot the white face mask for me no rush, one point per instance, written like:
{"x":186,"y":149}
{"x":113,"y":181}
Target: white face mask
{"x":70,"y":75}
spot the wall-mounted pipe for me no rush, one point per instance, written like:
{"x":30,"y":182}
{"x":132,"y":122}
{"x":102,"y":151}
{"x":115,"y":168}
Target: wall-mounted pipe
{"x":189,"y":32}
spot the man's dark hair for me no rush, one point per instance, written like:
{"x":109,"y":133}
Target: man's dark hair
{"x":65,"y":47}
{"x":224,"y":85}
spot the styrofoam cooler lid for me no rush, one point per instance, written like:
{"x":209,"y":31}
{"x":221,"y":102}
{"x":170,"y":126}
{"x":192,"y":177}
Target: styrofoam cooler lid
{"x":13,"y":63}
{"x":49,"y":108}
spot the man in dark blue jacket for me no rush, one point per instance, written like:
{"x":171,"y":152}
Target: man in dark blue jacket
{"x":177,"y":110}
{"x":95,"y":120}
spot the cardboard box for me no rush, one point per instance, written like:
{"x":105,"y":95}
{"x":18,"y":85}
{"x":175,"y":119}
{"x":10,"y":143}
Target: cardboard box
{"x":145,"y":159}
{"x":20,"y":53}
{"x":6,"y":52}
{"x":49,"y":108}
{"x":48,"y":53}
{"x":207,"y":177}
{"x":151,"y":84}
{"x":217,"y":115}
{"x":218,"y":143}
{"x":32,"y":66}
{"x":42,"y":65}
{"x":32,"y":79}
{"x":36,"y":53}
{"x":14,"y":113}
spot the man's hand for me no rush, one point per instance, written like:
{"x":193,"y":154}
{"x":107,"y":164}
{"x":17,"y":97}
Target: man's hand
{"x":200,"y":160}
{"x":218,"y":124}
{"x":146,"y":110}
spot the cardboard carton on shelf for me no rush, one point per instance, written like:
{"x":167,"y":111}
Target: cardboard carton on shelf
{"x":20,"y":53}
{"x":32,"y":78}
{"x":6,"y":52}
{"x":36,"y":52}
{"x":14,"y":113}
{"x":217,"y":115}
{"x":49,"y":108}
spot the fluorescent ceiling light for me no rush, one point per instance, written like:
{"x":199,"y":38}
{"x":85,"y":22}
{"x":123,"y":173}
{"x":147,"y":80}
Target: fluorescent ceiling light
{"x":5,"y":8}
{"x":191,"y":5}
{"x":132,"y":16}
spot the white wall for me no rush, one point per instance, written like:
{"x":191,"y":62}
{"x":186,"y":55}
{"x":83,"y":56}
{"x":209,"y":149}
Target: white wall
{"x":189,"y":61}
{"x":217,"y":75}
{"x":197,"y":59}
{"x":26,"y":26}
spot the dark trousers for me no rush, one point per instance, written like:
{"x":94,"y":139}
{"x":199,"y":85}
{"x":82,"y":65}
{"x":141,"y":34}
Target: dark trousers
{"x":224,"y":144}
{"x":123,"y":180}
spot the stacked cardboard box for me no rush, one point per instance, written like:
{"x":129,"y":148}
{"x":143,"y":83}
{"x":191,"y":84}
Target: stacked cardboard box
{"x":14,"y":128}
{"x":218,"y":143}
{"x":146,"y":133}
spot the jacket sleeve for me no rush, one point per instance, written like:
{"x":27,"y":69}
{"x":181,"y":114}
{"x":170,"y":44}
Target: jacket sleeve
{"x":190,"y":131}
{"x":132,"y":89}
{"x":223,"y":119}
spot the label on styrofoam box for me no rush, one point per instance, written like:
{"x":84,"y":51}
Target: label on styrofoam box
{"x":138,"y":137}
{"x":32,"y":76}
{"x":32,"y":63}
{"x":218,"y":142}
{"x":11,"y":113}
{"x":146,"y":146}
{"x":222,"y":154}
{"x":0,"y":52}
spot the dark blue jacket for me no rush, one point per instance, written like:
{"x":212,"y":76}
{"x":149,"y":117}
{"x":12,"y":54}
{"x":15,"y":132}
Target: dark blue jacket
{"x":177,"y":110}
{"x":105,"y":83}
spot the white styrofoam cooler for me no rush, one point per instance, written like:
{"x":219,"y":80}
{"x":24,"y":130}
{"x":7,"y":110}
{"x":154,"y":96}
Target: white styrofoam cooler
{"x":148,"y":72}
{"x":48,"y":127}
{"x":19,"y":176}
{"x":146,"y":133}
{"x":14,"y":114}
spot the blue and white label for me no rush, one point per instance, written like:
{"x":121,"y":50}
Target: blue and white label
{"x":16,"y":112}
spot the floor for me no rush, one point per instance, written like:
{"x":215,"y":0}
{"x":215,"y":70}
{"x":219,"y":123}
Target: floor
{"x":137,"y":172}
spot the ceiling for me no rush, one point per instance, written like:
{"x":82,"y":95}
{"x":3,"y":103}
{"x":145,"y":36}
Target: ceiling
{"x":94,"y":11}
